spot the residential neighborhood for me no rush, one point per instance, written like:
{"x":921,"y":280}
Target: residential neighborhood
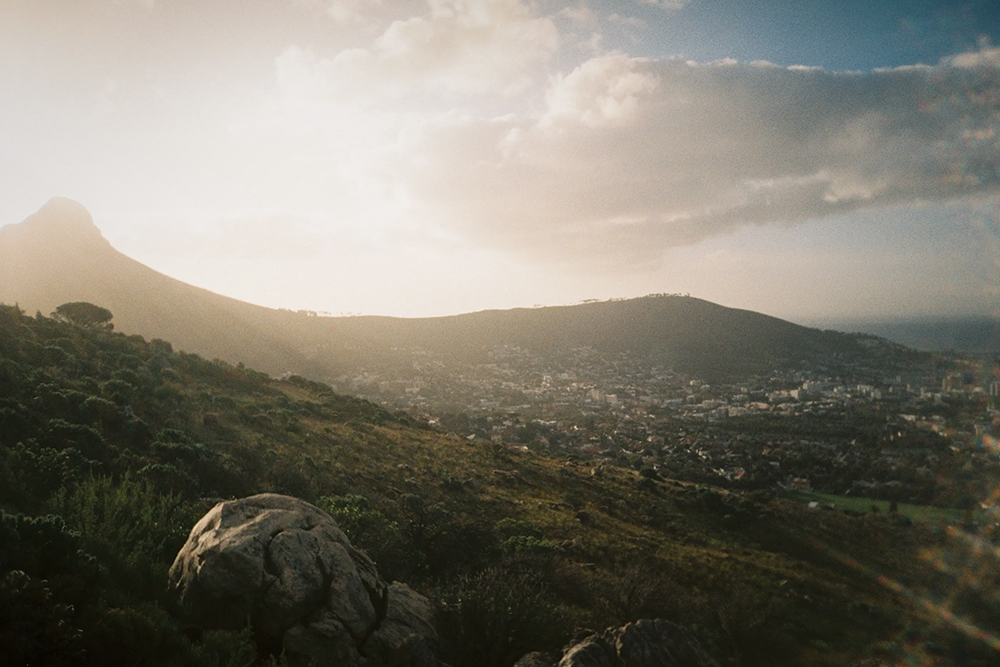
{"x":920,"y":429}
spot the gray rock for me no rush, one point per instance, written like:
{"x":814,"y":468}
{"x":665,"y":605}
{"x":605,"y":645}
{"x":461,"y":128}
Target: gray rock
{"x":408,"y":631}
{"x":287,"y":567}
{"x":590,"y":652}
{"x":322,"y":639}
{"x":537,"y":659}
{"x":644,"y":643}
{"x":659,"y":642}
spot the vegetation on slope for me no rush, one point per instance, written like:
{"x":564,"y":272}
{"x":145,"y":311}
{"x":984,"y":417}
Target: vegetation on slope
{"x":111,"y":447}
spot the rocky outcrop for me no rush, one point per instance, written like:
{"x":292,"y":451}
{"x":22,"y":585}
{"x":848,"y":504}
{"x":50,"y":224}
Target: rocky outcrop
{"x":537,"y":659}
{"x":287,"y":567}
{"x":644,"y":643}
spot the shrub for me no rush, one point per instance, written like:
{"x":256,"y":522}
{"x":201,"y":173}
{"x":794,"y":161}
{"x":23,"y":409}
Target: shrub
{"x":130,"y":527}
{"x":528,"y":544}
{"x":498,"y":615}
{"x":633,"y":589}
{"x":34,"y":473}
{"x":35,"y":629}
{"x":42,"y":547}
{"x":167,"y":478}
{"x":84,"y":439}
{"x":449,"y":543}
{"x":509,"y":527}
{"x":137,"y":635}
{"x":371,"y":530}
{"x":750,"y":632}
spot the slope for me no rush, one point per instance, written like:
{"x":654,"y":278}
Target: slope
{"x":128,"y":442}
{"x":58,"y":255}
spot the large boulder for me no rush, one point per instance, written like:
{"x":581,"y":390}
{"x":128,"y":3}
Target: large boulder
{"x":644,"y":643}
{"x":287,"y":567}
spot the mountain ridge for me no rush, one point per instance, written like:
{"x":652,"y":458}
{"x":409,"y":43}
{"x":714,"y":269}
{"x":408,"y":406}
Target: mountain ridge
{"x":59,"y":255}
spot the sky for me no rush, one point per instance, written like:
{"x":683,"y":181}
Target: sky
{"x":806,"y":159}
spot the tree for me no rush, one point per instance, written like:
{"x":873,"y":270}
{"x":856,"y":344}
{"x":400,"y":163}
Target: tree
{"x":84,"y":314}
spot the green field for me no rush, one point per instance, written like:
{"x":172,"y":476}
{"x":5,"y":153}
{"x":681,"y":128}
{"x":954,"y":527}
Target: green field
{"x":862,"y":504}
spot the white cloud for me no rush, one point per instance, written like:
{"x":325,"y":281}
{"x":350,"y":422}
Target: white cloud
{"x":672,"y":5}
{"x":460,"y":46}
{"x":579,"y":15}
{"x":345,"y":12}
{"x":145,"y":4}
{"x":604,"y":90}
{"x":634,"y":155}
{"x":989,"y":58}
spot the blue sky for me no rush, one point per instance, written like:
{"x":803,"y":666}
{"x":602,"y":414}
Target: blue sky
{"x":837,"y":35}
{"x":422,"y":157}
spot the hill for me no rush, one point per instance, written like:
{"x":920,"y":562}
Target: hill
{"x":112,"y":446}
{"x":970,"y":335}
{"x":58,"y":255}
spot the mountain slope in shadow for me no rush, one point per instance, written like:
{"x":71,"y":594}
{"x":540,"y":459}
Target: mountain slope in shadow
{"x":58,"y":255}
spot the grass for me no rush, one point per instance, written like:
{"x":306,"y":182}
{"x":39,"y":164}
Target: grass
{"x":726,"y":563}
{"x":925,"y":513}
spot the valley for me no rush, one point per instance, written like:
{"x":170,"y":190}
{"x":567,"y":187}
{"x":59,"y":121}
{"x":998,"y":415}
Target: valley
{"x":788,"y":495}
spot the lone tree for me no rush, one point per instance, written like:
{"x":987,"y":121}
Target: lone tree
{"x":84,"y":314}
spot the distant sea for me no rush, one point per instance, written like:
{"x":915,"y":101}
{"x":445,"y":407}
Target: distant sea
{"x":969,"y":335}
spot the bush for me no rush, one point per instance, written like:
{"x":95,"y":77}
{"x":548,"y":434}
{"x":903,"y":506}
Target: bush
{"x":42,"y":547}
{"x":509,"y":527}
{"x":750,"y":632}
{"x":498,"y":615}
{"x":130,"y":527}
{"x":371,"y":530}
{"x":35,"y":629}
{"x":34,"y":473}
{"x":528,"y":544}
{"x":449,"y":543}
{"x":632,"y":589}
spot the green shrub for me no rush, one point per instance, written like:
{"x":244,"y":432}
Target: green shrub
{"x":42,"y":547}
{"x":34,"y":473}
{"x":131,"y":527}
{"x":35,"y":628}
{"x":509,"y":527}
{"x":528,"y":544}
{"x":141,"y":635}
{"x":750,"y":631}
{"x":371,"y":530}
{"x":498,"y":615}
{"x":449,"y":543}
{"x":631,"y":589}
{"x":85,"y":439}
{"x":96,"y":409}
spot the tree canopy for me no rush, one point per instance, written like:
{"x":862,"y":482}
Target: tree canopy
{"x":84,"y":314}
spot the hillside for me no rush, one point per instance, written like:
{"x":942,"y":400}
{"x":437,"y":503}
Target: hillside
{"x":688,"y":334}
{"x":58,"y":255}
{"x":970,"y":335}
{"x":111,"y":447}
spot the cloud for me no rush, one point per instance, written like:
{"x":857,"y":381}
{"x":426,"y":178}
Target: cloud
{"x":460,"y":46}
{"x":602,"y":91}
{"x":145,"y":4}
{"x":249,"y":237}
{"x":672,"y":5}
{"x":345,"y":12}
{"x":633,"y":155}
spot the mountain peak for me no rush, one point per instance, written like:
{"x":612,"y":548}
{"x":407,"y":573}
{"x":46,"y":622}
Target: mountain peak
{"x":60,"y":222}
{"x":66,"y":208}
{"x":63,"y":214}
